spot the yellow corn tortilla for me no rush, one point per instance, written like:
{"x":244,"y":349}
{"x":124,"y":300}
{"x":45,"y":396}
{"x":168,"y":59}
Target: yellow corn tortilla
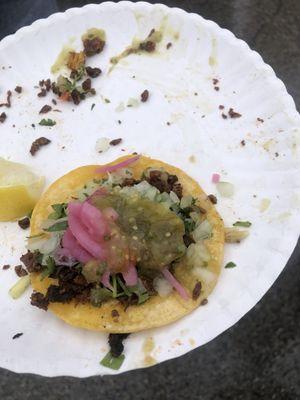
{"x":157,"y":311}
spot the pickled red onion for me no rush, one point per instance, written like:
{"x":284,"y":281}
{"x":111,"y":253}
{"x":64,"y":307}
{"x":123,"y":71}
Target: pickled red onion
{"x":105,"y":279}
{"x":81,"y":234}
{"x":94,"y":221}
{"x":215,"y":178}
{"x":115,"y":167}
{"x":70,"y":243}
{"x":130,"y":276}
{"x":176,"y":285}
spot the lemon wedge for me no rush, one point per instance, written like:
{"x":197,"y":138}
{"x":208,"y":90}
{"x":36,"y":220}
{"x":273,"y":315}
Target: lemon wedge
{"x":20,"y":189}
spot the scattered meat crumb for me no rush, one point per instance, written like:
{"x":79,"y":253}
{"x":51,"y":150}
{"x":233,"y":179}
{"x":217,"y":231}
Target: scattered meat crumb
{"x":204,"y":302}
{"x":20,"y":271}
{"x":93,"y":46}
{"x":144,"y":96}
{"x":148,"y":46}
{"x":168,"y":123}
{"x":212,"y":198}
{"x":276,"y":154}
{"x":37,"y":144}
{"x":195,"y":94}
{"x":42,"y":93}
{"x":233,"y":114}
{"x":93,"y":72}
{"x":260,"y":120}
{"x":119,"y":121}
{"x":24,"y":223}
{"x":17,"y":335}
{"x":5,"y":267}
{"x":45,"y":109}
{"x":215,"y":81}
{"x":54,"y":101}
{"x":18,"y":89}
{"x":39,"y":300}
{"x":169,"y":45}
{"x":86,"y":85}
{"x":217,"y":88}
{"x":221,"y":107}
{"x":224,"y":116}
{"x":33,"y":125}
{"x":115,"y":142}
{"x":8,"y":98}
{"x":196,"y":291}
{"x":3,"y":117}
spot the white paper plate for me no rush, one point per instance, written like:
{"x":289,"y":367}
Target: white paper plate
{"x":266,"y":168}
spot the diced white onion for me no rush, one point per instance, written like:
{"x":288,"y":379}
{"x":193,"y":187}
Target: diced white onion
{"x":162,"y":286}
{"x":132,"y":102}
{"x":102,"y":144}
{"x":197,"y":254}
{"x":174,"y":197}
{"x":204,"y":275}
{"x":44,"y":245}
{"x":203,"y":231}
{"x":225,"y":189}
{"x":120,"y":107}
{"x":186,"y":201}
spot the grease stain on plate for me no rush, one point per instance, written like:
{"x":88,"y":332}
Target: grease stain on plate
{"x":148,"y":347}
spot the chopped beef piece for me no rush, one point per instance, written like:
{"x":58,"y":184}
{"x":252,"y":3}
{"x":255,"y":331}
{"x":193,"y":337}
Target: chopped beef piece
{"x":196,"y":291}
{"x":93,"y":46}
{"x":83,"y":297}
{"x":169,"y":45}
{"x":87,"y":85}
{"x":93,"y":72}
{"x":177,"y":189}
{"x":56,"y":294}
{"x":129,"y":182}
{"x":47,"y":84}
{"x":221,"y":107}
{"x":212,"y":198}
{"x":37,"y":144}
{"x":3,"y":117}
{"x":55,"y":89}
{"x":18,"y":89}
{"x":115,"y":142}
{"x":37,"y":299}
{"x":224,"y":116}
{"x":42,"y":93}
{"x":8,"y":97}
{"x":20,"y":271}
{"x":188,"y":240}
{"x":215,"y":81}
{"x":217,"y":88}
{"x":115,"y":341}
{"x":260,"y":120}
{"x":233,"y":114}
{"x":54,"y":101}
{"x":45,"y":109}
{"x":148,"y":46}
{"x":243,"y":143}
{"x":165,"y":182}
{"x":42,"y":82}
{"x":75,"y":96}
{"x":17,"y":335}
{"x":31,"y":261}
{"x":144,"y":96}
{"x":6,"y":266}
{"x":148,"y":284}
{"x":204,"y":302}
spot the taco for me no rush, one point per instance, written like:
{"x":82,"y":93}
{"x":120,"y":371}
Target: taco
{"x":131,"y":245}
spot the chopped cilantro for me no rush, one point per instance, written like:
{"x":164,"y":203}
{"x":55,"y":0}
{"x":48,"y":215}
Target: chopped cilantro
{"x":58,"y":226}
{"x":49,"y":269}
{"x":245,"y":224}
{"x":59,"y":211}
{"x":230,"y":265}
{"x":107,"y":100}
{"x":109,"y":361}
{"x":47,"y":122}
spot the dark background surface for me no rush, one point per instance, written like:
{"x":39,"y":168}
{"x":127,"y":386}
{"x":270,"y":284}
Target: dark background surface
{"x":259,"y":358}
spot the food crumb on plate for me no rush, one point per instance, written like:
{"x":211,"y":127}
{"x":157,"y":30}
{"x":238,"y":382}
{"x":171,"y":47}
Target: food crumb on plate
{"x":17,"y":335}
{"x":192,"y":159}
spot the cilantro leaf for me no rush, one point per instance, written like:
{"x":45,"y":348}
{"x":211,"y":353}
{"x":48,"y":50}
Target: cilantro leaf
{"x":58,"y":226}
{"x":47,"y":122}
{"x":109,"y":361}
{"x":49,"y":269}
{"x":230,"y":265}
{"x":245,"y":224}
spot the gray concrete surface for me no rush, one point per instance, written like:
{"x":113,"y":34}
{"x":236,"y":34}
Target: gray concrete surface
{"x":259,"y":358}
